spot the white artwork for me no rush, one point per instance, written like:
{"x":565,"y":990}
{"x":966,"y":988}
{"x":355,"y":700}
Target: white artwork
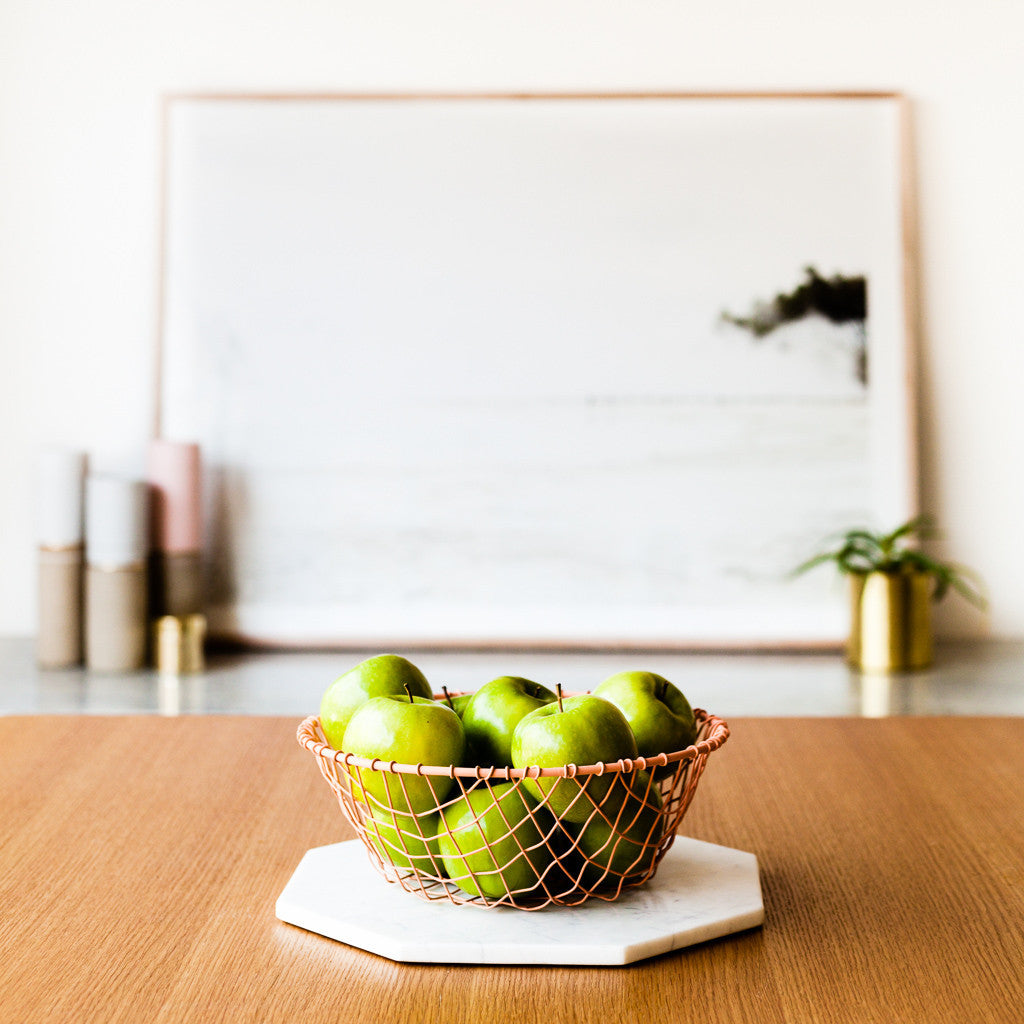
{"x":484,"y":369}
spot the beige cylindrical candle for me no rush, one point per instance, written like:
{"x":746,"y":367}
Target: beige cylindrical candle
{"x":59,"y":631}
{"x":116,"y":578}
{"x":117,"y":602}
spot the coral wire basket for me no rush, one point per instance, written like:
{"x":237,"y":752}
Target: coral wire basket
{"x":516,"y":837}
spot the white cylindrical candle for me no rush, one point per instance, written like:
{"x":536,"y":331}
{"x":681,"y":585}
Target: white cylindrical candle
{"x":116,"y":521}
{"x":60,"y":481}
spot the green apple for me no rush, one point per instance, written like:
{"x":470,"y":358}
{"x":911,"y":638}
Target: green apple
{"x":624,"y":842}
{"x":493,"y":713}
{"x":376,"y":677}
{"x":491,"y":844}
{"x":580,"y":730}
{"x":407,"y":730}
{"x":406,"y":840}
{"x":457,"y":702}
{"x":659,"y":715}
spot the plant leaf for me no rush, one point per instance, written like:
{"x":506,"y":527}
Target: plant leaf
{"x":862,"y":550}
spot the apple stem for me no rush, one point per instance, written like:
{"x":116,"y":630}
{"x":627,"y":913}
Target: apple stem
{"x":558,"y":693}
{"x":408,"y":691}
{"x":448,"y":697}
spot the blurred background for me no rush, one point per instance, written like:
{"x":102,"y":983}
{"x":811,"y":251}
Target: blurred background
{"x":80,"y":93}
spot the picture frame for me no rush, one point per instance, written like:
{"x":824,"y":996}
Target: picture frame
{"x":500,"y":369}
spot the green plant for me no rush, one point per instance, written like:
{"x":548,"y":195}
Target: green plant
{"x":861,"y":551}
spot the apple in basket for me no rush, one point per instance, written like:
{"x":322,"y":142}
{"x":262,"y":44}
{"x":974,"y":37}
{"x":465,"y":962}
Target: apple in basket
{"x":657,"y":711}
{"x":492,"y":844}
{"x":493,"y":712}
{"x":621,"y":843}
{"x":376,"y":677}
{"x":458,"y":703}
{"x":403,"y":807}
{"x":580,"y":730}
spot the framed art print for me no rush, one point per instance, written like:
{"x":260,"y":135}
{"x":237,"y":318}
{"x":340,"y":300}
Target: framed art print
{"x":543,"y":369}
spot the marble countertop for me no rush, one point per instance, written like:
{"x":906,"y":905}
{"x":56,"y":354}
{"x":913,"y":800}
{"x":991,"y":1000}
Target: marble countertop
{"x":976,"y":678}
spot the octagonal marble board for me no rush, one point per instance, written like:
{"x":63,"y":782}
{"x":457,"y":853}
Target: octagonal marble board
{"x":701,"y":891}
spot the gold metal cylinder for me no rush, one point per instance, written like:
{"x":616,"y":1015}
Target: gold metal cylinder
{"x":890,"y":621}
{"x":178,"y":644}
{"x":59,"y":642}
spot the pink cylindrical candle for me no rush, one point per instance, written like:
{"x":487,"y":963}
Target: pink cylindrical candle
{"x":175,"y":474}
{"x":175,"y":478}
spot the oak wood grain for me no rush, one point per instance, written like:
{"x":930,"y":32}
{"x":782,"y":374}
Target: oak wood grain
{"x":140,"y":859}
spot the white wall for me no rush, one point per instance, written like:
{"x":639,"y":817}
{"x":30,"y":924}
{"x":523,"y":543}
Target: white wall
{"x":79,"y":104}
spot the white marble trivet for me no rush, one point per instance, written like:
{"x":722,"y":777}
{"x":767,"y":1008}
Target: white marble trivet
{"x":701,"y":891}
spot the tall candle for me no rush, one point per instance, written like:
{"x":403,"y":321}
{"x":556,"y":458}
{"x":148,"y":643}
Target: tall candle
{"x":175,"y":478}
{"x":60,"y":482}
{"x":116,"y":595}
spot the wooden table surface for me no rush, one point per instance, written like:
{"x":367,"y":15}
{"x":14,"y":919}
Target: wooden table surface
{"x":141,"y":857}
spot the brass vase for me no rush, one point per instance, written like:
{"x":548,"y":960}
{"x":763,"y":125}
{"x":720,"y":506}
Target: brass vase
{"x":890,"y":621}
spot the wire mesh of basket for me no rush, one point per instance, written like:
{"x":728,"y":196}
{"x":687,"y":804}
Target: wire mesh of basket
{"x":517,"y":837}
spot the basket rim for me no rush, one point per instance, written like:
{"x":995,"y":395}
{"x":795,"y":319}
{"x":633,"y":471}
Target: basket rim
{"x":310,"y":735}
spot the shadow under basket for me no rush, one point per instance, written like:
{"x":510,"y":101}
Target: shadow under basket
{"x":517,"y":837}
